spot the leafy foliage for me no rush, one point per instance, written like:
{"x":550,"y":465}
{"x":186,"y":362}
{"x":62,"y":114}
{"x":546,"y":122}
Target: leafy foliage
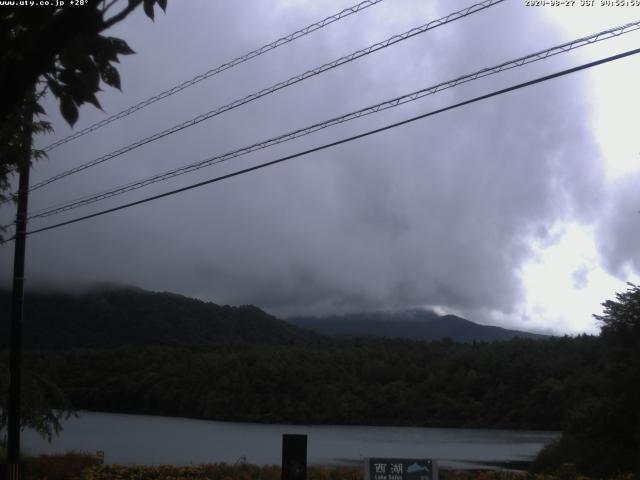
{"x":67,"y":466}
{"x":57,"y":49}
{"x":602,"y":432}
{"x":39,"y":393}
{"x":621,"y":318}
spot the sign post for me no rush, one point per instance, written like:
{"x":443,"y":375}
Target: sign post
{"x":294,"y":457}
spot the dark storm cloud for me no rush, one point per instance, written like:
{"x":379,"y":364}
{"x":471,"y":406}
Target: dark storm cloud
{"x":440,"y":212}
{"x":618,"y":233}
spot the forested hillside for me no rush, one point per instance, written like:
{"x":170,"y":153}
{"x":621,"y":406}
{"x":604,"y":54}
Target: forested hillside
{"x":105,"y":317}
{"x":114,"y":316}
{"x":519,"y":384}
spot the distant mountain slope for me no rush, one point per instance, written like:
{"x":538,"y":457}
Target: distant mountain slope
{"x":410,"y":324}
{"x":113,"y":316}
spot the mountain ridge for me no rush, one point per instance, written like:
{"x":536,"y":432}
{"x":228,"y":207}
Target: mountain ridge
{"x":116,"y":316}
{"x":108,"y":315}
{"x":414,"y":324}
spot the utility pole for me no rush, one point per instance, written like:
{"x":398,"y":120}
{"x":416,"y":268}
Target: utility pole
{"x":17,"y":301}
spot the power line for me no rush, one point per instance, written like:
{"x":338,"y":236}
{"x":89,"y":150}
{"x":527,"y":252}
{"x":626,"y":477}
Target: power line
{"x":387,"y":104}
{"x":278,"y":86}
{"x":344,"y":140}
{"x":219,"y":69}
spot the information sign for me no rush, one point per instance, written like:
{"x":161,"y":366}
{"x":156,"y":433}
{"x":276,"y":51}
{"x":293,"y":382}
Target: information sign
{"x":400,"y":469}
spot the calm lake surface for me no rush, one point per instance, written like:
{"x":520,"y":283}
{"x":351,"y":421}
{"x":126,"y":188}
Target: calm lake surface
{"x":148,"y":440}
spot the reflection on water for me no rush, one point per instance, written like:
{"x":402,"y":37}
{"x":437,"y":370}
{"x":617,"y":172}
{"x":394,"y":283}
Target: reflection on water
{"x":139,"y":439}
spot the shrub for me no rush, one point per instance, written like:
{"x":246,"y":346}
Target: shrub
{"x":67,"y":466}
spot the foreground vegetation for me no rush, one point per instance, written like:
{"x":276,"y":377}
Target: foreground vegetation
{"x":79,"y":466}
{"x":601,"y":432}
{"x":71,"y":466}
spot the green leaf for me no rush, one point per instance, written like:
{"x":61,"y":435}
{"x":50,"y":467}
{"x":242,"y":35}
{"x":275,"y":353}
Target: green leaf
{"x":68,"y":110}
{"x":120,"y":46}
{"x":93,"y":100}
{"x":104,"y":51}
{"x":76,"y":56}
{"x":55,"y":88}
{"x":110,"y":76}
{"x":90,"y":80}
{"x":68,"y":76}
{"x":41,"y":127}
{"x":39,"y":154}
{"x":163,"y":5}
{"x":37,"y":108}
{"x":148,"y":8}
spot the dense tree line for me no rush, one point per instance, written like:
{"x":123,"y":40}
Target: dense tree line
{"x":601,"y":433}
{"x":516,"y":384}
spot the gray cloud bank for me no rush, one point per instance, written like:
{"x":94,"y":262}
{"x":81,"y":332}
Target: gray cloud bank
{"x":440,"y":212}
{"x":618,"y":233}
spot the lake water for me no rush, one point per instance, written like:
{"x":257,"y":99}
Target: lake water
{"x":149,"y":440}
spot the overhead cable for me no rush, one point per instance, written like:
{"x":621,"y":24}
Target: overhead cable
{"x":387,"y":104}
{"x":278,"y":86}
{"x":219,"y":69}
{"x":342,"y":141}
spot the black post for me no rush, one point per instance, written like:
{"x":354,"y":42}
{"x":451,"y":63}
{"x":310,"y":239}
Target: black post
{"x":17,"y":300}
{"x":294,"y":457}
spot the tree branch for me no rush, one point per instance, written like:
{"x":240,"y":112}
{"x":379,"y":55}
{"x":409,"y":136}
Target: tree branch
{"x":120,"y":16}
{"x":108,"y":6}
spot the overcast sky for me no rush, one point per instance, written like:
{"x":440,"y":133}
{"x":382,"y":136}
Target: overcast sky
{"x":520,"y":211}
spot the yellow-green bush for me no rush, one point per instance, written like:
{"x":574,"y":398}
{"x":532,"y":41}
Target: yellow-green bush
{"x":67,"y":466}
{"x":218,"y":471}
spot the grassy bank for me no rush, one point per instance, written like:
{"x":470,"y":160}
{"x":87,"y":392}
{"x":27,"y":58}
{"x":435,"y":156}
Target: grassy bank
{"x":68,"y":466}
{"x":84,"y":466}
